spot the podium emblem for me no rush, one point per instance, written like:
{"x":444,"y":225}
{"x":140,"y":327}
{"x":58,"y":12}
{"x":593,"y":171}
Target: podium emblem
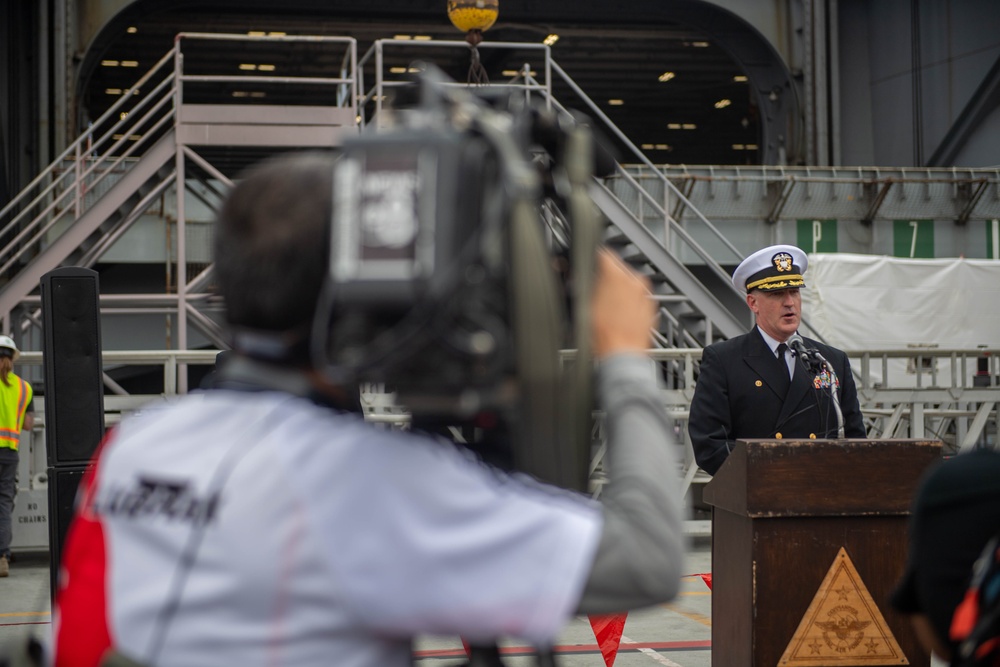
{"x":843,"y":625}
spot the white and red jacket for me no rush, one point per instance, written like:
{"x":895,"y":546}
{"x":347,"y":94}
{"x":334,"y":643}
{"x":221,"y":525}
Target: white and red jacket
{"x":248,"y":529}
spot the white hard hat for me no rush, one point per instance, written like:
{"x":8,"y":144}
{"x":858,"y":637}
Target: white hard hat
{"x":8,"y":342}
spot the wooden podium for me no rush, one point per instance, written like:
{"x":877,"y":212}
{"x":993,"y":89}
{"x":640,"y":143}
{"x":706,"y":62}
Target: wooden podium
{"x":801,"y":531}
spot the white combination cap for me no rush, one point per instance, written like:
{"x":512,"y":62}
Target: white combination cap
{"x":772,"y":268}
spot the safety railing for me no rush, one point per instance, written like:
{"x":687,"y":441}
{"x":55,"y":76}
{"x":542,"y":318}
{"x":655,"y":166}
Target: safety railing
{"x":392,"y":66}
{"x":949,"y":394}
{"x":772,"y":193}
{"x":109,"y":146}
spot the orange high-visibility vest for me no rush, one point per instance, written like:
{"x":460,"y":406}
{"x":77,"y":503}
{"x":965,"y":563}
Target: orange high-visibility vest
{"x":13,"y":405}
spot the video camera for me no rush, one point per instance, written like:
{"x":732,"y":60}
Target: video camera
{"x":447,"y":283}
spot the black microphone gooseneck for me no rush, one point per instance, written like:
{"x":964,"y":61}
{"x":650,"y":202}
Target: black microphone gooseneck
{"x":809,"y":356}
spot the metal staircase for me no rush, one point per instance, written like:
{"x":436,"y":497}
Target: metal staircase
{"x":38,"y":248}
{"x":173,"y":131}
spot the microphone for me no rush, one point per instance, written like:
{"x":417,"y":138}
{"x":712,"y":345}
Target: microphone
{"x":810,"y":357}
{"x":797,"y":343}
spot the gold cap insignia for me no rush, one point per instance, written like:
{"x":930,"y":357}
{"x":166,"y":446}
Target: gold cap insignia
{"x":782,"y":262}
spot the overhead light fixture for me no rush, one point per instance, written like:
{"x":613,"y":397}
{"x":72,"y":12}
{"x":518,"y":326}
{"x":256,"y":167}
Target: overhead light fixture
{"x":256,"y":33}
{"x":404,"y":37}
{"x":739,"y":147}
{"x":673,"y":126}
{"x":397,"y":70}
{"x":723,"y":103}
{"x":647,"y":147}
{"x":616,"y":102}
{"x":740,"y":78}
{"x":666,"y":76}
{"x":699,"y":45}
{"x":517,"y":72}
{"x":751,"y":147}
{"x":277,"y":33}
{"x":265,"y":68}
{"x":247,"y":67}
{"x":240,"y":93}
{"x":130,"y":63}
{"x":131,"y":30}
{"x":422,"y":38}
{"x":123,"y":115}
{"x":258,"y":93}
{"x":662,"y":147}
{"x":551,"y":39}
{"x":113,"y":91}
{"x":109,"y":63}
{"x":688,"y":126}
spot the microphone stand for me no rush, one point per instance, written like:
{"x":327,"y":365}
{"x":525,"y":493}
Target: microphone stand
{"x":833,"y":394}
{"x":816,"y":362}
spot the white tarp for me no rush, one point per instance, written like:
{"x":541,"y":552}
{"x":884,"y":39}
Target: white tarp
{"x":873,"y":302}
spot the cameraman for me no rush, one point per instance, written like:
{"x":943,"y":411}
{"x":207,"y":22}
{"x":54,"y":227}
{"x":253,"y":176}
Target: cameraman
{"x":262,"y":523}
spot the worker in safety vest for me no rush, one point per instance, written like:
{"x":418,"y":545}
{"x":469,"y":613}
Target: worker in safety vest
{"x":15,"y":414}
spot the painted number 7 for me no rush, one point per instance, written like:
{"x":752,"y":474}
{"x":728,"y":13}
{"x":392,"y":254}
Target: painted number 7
{"x":913,"y":241}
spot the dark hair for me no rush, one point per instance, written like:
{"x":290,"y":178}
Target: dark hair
{"x":6,"y":365}
{"x":272,"y":242}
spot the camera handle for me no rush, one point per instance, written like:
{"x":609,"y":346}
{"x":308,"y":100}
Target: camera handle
{"x":578,"y":158}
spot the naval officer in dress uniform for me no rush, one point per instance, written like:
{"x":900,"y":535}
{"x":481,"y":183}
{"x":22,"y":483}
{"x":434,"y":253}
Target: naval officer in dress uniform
{"x":754,"y":386}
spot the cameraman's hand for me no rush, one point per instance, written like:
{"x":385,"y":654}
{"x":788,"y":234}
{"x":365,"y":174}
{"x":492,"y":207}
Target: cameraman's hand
{"x":622,"y":313}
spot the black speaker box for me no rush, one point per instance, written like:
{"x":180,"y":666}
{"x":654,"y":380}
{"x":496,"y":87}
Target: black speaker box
{"x":74,"y":389}
{"x":63,"y":484}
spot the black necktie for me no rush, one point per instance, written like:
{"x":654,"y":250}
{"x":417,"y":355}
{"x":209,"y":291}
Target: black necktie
{"x":782,"y":348}
{"x":784,"y":378}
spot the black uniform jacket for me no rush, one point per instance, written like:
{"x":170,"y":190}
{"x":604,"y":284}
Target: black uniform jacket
{"x":739,"y":396}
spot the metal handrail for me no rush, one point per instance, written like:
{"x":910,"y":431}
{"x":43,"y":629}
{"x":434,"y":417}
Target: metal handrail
{"x":645,"y":160}
{"x":349,"y":63}
{"x":44,"y":221}
{"x":958,"y":377}
{"x":114,"y":144}
{"x":377,"y":49}
{"x":109,"y":160}
{"x":74,"y":149}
